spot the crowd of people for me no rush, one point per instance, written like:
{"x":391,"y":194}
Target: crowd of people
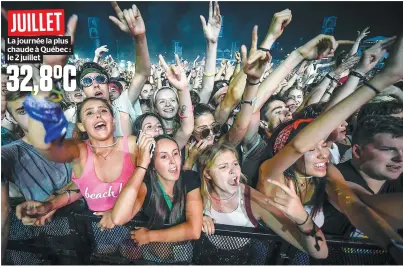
{"x":301,"y":151}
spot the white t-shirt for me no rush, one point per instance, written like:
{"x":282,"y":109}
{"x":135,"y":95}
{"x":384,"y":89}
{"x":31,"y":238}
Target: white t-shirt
{"x":123,"y":104}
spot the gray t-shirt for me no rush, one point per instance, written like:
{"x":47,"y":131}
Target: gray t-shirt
{"x":35,"y":176}
{"x":123,"y":104}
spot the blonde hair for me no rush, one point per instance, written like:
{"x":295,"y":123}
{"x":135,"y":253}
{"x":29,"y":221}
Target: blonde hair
{"x":205,"y":161}
{"x":154,"y":97}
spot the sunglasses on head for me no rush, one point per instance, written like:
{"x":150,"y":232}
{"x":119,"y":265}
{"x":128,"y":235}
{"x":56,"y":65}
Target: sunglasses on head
{"x":215,"y":128}
{"x":89,"y":80}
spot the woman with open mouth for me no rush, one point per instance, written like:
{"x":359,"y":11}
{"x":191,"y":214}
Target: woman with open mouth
{"x":227,"y":199}
{"x":169,"y":197}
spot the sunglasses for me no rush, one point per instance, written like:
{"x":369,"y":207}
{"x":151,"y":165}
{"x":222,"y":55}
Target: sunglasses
{"x":89,"y":80}
{"x":215,"y":128}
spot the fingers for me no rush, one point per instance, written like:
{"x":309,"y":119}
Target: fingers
{"x":204,"y":24}
{"x":117,"y":22}
{"x":291,"y":185}
{"x":71,"y":27}
{"x":163,"y":63}
{"x":178,"y":61}
{"x":117,"y":9}
{"x":217,"y":10}
{"x":99,"y":213}
{"x":282,"y":186}
{"x":254,"y":39}
{"x":276,"y":205}
{"x":210,"y":10}
{"x":4,"y":13}
{"x":387,"y":42}
{"x":244,"y":53}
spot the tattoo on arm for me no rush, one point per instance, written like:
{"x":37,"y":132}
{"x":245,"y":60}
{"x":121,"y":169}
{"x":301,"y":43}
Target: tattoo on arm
{"x":183,"y":110}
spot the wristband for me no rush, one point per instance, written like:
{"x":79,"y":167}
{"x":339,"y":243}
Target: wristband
{"x":333,"y":79}
{"x":141,"y":167}
{"x":357,"y":74}
{"x":264,"y":49}
{"x":377,"y":91}
{"x":50,"y":114}
{"x":252,"y":84}
{"x":307,"y":217}
{"x":208,"y":75}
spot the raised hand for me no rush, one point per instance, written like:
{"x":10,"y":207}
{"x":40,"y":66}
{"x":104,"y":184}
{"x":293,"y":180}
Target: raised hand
{"x":130,"y":20}
{"x":212,"y":28}
{"x":144,"y":146}
{"x":194,"y":148}
{"x":288,"y":201}
{"x":372,"y":55}
{"x":62,"y":59}
{"x":393,"y":71}
{"x":347,"y":64}
{"x":363,"y":34}
{"x":175,"y":73}
{"x":279,"y":22}
{"x":238,"y":57}
{"x":255,"y":64}
{"x":319,"y":47}
{"x":101,"y":50}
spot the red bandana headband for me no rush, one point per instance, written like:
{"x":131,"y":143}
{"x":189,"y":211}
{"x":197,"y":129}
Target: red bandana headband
{"x":282,"y":137}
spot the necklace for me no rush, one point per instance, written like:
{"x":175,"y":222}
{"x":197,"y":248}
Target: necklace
{"x":220,"y":199}
{"x":104,"y":157}
{"x":104,"y":146}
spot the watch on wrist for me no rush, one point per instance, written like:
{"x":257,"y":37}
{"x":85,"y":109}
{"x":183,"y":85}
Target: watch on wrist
{"x":252,"y":102}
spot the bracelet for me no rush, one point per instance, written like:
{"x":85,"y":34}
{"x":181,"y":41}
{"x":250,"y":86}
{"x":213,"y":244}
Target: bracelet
{"x":333,"y":79}
{"x":252,"y":84}
{"x":208,"y":75}
{"x":330,"y":93}
{"x":357,"y":74}
{"x":68,"y":197}
{"x":377,"y":91}
{"x":312,"y":233}
{"x":141,"y":167}
{"x":307,"y":217}
{"x":264,"y":49}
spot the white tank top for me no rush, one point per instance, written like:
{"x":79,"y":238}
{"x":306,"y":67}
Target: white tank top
{"x":236,"y":218}
{"x":319,"y":218}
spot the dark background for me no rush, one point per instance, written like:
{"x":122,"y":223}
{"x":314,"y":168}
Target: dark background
{"x":167,"y":21}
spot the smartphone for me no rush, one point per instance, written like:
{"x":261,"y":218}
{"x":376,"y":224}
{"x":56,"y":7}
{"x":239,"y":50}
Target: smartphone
{"x":152,"y":148}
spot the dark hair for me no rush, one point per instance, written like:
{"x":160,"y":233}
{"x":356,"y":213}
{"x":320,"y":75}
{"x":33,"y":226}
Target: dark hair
{"x":146,"y":102}
{"x":194,"y":96}
{"x":311,"y":111}
{"x":369,"y":126}
{"x":15,"y":95}
{"x":116,"y":82}
{"x":160,"y":212}
{"x":217,"y":86}
{"x":83,"y":135}
{"x":320,"y":183}
{"x":139,"y":122}
{"x":265,"y":106}
{"x":202,"y":109}
{"x":94,"y":65}
{"x":380,"y":108}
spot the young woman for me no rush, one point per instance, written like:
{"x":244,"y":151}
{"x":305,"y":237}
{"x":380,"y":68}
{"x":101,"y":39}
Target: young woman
{"x":301,"y":161}
{"x":169,"y":197}
{"x":70,"y":100}
{"x":296,"y":94}
{"x":227,"y":200}
{"x":165,"y":103}
{"x":150,"y":124}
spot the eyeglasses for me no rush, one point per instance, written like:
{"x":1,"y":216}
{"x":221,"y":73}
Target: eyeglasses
{"x":87,"y":81}
{"x":215,"y":128}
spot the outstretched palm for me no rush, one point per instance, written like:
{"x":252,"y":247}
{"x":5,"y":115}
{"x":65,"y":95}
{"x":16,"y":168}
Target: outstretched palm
{"x":212,"y":28}
{"x":130,"y":20}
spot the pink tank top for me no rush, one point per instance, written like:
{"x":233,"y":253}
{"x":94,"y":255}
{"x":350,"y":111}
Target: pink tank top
{"x":101,"y":196}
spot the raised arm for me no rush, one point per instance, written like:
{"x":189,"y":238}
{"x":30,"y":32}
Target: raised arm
{"x":211,"y":30}
{"x":361,"y":35}
{"x":368,"y":61}
{"x":177,"y":78}
{"x":130,"y":21}
{"x":320,"y":128}
{"x":99,"y":51}
{"x":131,"y":199}
{"x":254,"y":67}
